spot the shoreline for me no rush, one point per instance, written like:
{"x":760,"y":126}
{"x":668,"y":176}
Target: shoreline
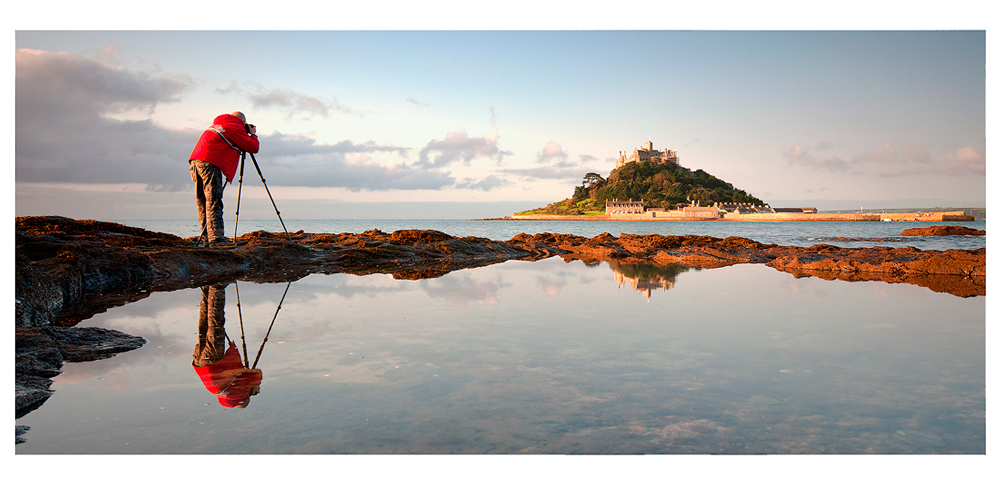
{"x":63,"y":262}
{"x":677,"y":216}
{"x":69,"y":270}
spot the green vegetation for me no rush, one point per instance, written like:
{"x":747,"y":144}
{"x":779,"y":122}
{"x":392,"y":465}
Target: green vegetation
{"x":648,"y":272}
{"x":568,"y":206}
{"x":665,"y":185}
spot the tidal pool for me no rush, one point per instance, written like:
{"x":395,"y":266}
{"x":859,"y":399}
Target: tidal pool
{"x":541,"y":357}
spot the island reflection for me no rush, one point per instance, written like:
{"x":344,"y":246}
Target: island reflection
{"x":480,"y":361}
{"x":646,"y":278}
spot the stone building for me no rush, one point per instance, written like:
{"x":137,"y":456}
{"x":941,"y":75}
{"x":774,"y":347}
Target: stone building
{"x":621,"y":206}
{"x":646,"y":278}
{"x":744,"y":208}
{"x":647,"y":153}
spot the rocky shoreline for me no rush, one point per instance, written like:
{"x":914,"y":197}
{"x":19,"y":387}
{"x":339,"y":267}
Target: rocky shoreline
{"x":68,"y":270}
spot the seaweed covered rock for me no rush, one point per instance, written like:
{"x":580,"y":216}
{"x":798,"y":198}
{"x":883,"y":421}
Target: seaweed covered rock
{"x":944,"y":230}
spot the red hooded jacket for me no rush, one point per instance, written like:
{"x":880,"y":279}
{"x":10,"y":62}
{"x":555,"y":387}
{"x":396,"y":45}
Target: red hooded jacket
{"x":220,"y":144}
{"x":228,"y":379}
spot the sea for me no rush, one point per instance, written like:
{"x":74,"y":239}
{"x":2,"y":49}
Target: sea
{"x":803,"y":234}
{"x":544,"y":358}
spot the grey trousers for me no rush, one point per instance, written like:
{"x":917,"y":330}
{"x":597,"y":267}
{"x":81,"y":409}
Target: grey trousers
{"x":211,"y":345}
{"x":208,"y":181}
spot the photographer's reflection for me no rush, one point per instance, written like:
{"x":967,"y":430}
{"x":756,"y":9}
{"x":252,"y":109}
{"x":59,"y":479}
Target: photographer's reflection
{"x":220,"y":367}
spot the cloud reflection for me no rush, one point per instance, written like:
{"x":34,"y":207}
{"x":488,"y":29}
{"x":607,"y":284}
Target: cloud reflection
{"x":460,"y":291}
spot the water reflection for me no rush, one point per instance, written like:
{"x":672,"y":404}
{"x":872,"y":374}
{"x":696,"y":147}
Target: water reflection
{"x":225,"y":374}
{"x":535,"y":357}
{"x":645,"y":278}
{"x":222,"y":371}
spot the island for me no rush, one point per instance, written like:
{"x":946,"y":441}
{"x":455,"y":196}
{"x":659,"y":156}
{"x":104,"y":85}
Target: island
{"x":652,"y":185}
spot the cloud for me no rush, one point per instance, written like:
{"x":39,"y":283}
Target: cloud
{"x":50,"y":85}
{"x":486,"y":184}
{"x":962,"y":161}
{"x":884,"y":154}
{"x":796,"y":155}
{"x":294,"y":102}
{"x":291,"y":101}
{"x":280,"y":144}
{"x":457,"y":146}
{"x":890,"y":160}
{"x":300,"y":161}
{"x":416,"y":103}
{"x":551,"y":152}
{"x":548,"y":172}
{"x":63,"y":134}
{"x":556,"y":165}
{"x":551,"y":286}
{"x":824,"y":145}
{"x":459,"y":291}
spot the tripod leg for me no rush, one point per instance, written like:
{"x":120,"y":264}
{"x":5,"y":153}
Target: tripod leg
{"x":242,"y":334}
{"x":262,"y":343}
{"x":254,"y":159}
{"x":239,"y":193}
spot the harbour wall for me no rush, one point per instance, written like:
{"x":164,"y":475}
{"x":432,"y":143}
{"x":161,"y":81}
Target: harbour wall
{"x":667,"y":216}
{"x":957,"y":216}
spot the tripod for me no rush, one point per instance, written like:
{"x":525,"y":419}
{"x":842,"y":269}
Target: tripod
{"x":239,"y":192}
{"x":246,"y":362}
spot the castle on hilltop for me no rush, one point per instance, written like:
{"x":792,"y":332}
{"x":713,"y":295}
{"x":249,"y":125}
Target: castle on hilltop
{"x":647,"y":153}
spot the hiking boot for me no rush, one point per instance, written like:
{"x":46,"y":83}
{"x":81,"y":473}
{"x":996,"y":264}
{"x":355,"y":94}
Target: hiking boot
{"x":221,"y":242}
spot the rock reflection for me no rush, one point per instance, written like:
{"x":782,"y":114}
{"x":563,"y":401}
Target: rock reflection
{"x":225,"y":373}
{"x":645,"y":278}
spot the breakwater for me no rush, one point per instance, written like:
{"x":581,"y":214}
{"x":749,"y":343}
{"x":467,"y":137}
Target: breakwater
{"x":679,"y":216}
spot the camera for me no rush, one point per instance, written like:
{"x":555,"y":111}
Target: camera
{"x":248,"y":126}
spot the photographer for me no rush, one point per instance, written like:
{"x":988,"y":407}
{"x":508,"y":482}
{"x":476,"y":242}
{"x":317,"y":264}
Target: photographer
{"x":218,"y":153}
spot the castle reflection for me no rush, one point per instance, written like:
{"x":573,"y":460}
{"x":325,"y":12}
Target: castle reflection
{"x":646,"y":278}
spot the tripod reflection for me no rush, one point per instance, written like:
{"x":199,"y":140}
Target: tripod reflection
{"x":225,"y":373}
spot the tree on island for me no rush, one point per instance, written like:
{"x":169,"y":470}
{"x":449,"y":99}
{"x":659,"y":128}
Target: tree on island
{"x":666,"y":185}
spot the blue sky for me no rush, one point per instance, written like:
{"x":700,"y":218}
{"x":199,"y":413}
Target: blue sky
{"x":104,"y":120}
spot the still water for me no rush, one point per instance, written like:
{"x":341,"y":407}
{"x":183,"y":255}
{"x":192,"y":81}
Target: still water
{"x":803,"y":234}
{"x":541,"y":357}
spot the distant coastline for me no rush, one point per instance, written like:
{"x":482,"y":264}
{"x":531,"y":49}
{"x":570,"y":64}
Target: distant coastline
{"x":965,"y":215}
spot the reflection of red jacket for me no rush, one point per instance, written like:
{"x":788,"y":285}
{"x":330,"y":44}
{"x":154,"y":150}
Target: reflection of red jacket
{"x":228,"y":380}
{"x":220,"y":144}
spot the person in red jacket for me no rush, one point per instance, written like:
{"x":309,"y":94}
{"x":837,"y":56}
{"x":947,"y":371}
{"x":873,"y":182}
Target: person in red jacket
{"x":216,"y":154}
{"x":220,"y":367}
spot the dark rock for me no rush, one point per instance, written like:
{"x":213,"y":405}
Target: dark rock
{"x":944,"y":230}
{"x":68,"y":270}
{"x":20,"y":430}
{"x":89,"y":344}
{"x":39,"y":354}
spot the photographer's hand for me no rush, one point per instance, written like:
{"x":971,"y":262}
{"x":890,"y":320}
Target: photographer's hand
{"x":252,"y":131}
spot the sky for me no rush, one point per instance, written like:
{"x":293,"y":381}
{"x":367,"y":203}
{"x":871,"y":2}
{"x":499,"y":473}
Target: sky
{"x":386,"y":108}
{"x":439,"y":123}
